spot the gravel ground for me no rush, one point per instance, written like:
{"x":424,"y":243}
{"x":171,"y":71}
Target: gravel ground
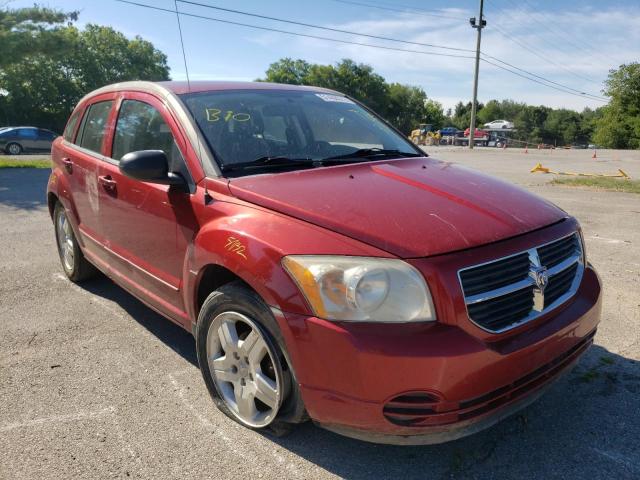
{"x":95,"y":385}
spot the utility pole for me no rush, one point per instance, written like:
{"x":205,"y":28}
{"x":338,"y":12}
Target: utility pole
{"x":478,"y":24}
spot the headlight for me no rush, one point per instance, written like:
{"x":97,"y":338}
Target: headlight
{"x":583,"y":246}
{"x":361,"y":289}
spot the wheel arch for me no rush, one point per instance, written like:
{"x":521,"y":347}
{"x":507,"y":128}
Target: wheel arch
{"x":58,"y":191}
{"x":52,"y":199}
{"x":211,"y":277}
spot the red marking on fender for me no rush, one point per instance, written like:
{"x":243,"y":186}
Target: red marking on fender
{"x":437,"y":191}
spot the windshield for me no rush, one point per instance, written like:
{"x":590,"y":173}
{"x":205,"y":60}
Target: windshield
{"x":291,"y":129}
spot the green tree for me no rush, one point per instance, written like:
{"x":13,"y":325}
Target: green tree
{"x":406,"y":107}
{"x":434,"y":114}
{"x":492,"y":110}
{"x":402,"y":105}
{"x":619,"y":125}
{"x":41,"y":88}
{"x":35,"y":30}
{"x":354,"y":79}
{"x":289,"y":71}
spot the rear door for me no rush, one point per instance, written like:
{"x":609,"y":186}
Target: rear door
{"x":81,"y":154}
{"x":45,"y":138}
{"x":141,"y":217}
{"x":28,"y":138}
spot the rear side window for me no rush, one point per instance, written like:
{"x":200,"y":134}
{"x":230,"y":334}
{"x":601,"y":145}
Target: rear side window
{"x":141,"y":127}
{"x":28,"y":133}
{"x":94,"y":126}
{"x":71,"y":127}
{"x":46,"y":135}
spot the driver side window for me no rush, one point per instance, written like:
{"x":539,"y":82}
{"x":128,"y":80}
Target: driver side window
{"x":140,"y":126}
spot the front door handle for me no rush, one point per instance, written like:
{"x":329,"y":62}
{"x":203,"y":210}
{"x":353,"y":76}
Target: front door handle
{"x":107,"y":182}
{"x":68,"y":164}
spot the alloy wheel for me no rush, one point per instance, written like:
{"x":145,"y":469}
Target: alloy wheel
{"x":14,"y":149}
{"x":242,"y":364}
{"x":65,"y":241}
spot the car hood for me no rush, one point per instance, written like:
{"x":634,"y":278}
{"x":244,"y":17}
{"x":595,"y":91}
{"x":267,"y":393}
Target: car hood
{"x":409,"y":207}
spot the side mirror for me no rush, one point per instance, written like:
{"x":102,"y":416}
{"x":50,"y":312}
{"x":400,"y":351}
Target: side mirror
{"x":149,"y":166}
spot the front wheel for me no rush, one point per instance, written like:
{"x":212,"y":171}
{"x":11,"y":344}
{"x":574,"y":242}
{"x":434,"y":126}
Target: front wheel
{"x":14,"y":149}
{"x":240,"y":352}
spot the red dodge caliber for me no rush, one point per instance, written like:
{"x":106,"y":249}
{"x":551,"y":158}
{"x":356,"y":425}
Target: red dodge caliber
{"x":327,"y":268}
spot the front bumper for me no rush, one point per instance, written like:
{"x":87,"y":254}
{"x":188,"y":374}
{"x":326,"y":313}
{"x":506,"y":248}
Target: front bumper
{"x":349,"y":374}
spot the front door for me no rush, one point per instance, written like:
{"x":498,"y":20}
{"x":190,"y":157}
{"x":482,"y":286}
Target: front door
{"x":81,"y":157}
{"x":139,"y":218}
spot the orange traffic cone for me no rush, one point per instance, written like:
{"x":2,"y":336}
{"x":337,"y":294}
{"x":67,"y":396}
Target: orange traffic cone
{"x":594,"y":154}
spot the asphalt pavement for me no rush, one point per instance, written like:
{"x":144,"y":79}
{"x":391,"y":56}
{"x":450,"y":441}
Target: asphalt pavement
{"x":93,"y":384}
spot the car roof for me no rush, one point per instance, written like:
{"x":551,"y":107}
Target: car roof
{"x":180,"y":87}
{"x":27,"y":128}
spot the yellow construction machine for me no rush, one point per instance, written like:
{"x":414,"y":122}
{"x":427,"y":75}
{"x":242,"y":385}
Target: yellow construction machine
{"x":424,"y":135}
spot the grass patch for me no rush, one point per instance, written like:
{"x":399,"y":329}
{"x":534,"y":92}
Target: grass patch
{"x":9,"y":162}
{"x":600,"y":183}
{"x":607,"y":360}
{"x":590,"y":375}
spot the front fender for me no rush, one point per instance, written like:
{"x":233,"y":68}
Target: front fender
{"x":251,"y":242}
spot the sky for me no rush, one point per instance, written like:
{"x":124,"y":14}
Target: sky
{"x":573,"y":43}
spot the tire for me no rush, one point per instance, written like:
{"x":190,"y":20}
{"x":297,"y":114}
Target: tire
{"x":14,"y":148}
{"x":257,"y":374}
{"x":76,"y":267}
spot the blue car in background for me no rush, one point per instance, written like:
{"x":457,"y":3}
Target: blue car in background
{"x":17,"y":140}
{"x":448,"y":131}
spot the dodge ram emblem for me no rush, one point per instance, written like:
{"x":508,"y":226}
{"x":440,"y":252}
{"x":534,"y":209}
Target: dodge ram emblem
{"x":540,"y":277}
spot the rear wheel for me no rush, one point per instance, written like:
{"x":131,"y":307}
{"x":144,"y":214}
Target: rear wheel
{"x":240,"y":352}
{"x":76,"y":267}
{"x":14,"y":149}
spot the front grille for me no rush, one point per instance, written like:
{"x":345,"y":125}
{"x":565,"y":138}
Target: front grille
{"x":559,"y":285}
{"x":496,"y":274}
{"x":510,"y":291}
{"x":497,"y":312}
{"x":555,"y":252}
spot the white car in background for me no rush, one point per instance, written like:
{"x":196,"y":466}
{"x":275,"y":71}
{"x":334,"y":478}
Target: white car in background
{"x":499,"y":124}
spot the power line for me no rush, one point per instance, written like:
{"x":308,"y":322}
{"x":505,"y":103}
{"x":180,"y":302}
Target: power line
{"x":184,"y":55}
{"x":302,"y":24}
{"x":541,"y":83}
{"x":348,"y":42}
{"x":594,"y":97}
{"x":538,"y":54}
{"x":543,"y":57}
{"x":191,"y":2}
{"x":559,"y":32}
{"x":420,"y":11}
{"x":287,"y":32}
{"x":405,"y":9}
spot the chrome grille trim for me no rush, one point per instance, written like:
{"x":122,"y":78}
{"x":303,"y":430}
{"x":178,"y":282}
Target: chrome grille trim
{"x":538,"y":309}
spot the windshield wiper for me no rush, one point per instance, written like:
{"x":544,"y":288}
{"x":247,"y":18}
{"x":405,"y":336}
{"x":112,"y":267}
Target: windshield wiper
{"x":374,"y":152}
{"x":271,"y":162}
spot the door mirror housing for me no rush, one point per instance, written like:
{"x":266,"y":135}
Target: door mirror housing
{"x":150,"y":166}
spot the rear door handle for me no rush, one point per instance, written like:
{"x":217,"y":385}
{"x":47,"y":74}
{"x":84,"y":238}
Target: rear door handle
{"x":107,"y":182}
{"x":68,"y":164}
